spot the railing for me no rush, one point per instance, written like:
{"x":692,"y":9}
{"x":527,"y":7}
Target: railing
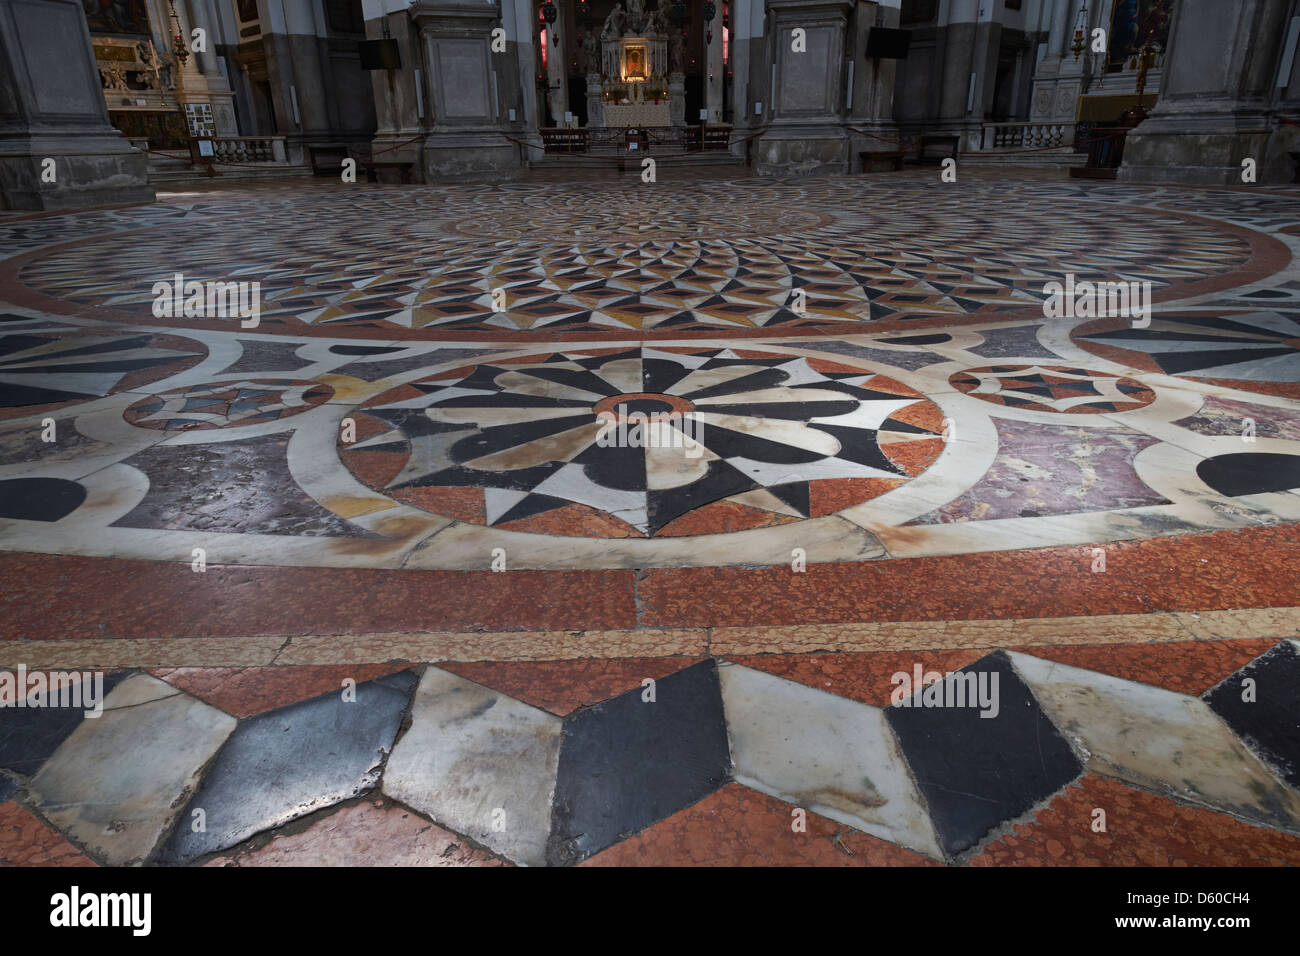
{"x":250,"y":149}
{"x":563,"y":140}
{"x":994,"y":136}
{"x":602,"y":138}
{"x":1106,"y":147}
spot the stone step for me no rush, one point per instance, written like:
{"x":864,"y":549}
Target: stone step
{"x":184,"y":173}
{"x":609,"y":160}
{"x":1064,"y":160}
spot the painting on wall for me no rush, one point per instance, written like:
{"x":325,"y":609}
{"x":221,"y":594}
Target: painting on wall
{"x":116,"y":16}
{"x":636,"y":65}
{"x":1132,"y":22}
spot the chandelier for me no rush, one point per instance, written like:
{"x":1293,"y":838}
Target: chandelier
{"x":1080,"y":41}
{"x":549,"y":13}
{"x":178,"y":39}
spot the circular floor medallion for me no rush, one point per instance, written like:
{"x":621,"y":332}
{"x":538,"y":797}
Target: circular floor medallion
{"x":644,"y":442}
{"x":1053,"y":388}
{"x":227,"y":404}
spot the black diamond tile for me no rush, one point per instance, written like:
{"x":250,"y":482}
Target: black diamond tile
{"x":627,"y":763}
{"x":293,"y":761}
{"x":1270,"y":724}
{"x":978,"y":772}
{"x":28,"y":735}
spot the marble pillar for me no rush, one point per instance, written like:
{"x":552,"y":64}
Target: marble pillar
{"x":53,"y":121}
{"x":1218,"y":99}
{"x":595,"y":105}
{"x":557,"y":71}
{"x":401,"y":99}
{"x":807,"y":133}
{"x":469,"y":136}
{"x":677,"y":99}
{"x":713,"y":73}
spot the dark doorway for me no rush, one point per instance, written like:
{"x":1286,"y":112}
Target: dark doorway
{"x":694,"y":97}
{"x":578,"y":99}
{"x":1004,"y":87}
{"x":264,"y":108}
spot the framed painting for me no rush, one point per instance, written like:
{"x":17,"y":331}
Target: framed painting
{"x":116,"y":16}
{"x":1131,"y":23}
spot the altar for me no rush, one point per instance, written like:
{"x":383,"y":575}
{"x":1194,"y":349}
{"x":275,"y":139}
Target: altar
{"x":640,"y":82}
{"x":638,"y":114}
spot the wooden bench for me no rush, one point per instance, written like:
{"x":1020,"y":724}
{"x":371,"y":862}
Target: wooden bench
{"x":564,"y":140}
{"x":716,"y":136}
{"x":892,"y":156}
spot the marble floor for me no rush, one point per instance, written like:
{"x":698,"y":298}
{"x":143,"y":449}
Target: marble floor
{"x":558,"y":522}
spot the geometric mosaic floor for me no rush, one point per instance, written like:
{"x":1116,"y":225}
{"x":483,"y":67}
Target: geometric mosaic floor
{"x":882,"y":454}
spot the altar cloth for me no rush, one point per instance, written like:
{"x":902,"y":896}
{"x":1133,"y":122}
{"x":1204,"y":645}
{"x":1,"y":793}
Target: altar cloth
{"x":638,"y":114}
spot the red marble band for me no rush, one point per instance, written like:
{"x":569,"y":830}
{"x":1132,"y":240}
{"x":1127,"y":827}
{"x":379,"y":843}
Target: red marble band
{"x":43,"y":595}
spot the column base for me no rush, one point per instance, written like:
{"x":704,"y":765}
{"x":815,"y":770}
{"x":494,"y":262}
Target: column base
{"x":91,"y":169}
{"x":802,"y":151}
{"x":469,"y":157}
{"x":1208,"y":151}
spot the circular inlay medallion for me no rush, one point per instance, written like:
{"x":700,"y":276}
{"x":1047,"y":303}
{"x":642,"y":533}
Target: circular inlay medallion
{"x":644,"y":442}
{"x":227,"y":404}
{"x":1053,"y":388}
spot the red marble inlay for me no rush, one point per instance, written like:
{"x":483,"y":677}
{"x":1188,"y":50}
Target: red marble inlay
{"x":828,"y":497}
{"x":572,"y":519}
{"x":561,"y":687}
{"x":913,"y":456}
{"x":26,"y":841}
{"x":44,"y":597}
{"x":1142,"y":829}
{"x":864,"y":677}
{"x":737,"y":826}
{"x":459,"y":502}
{"x":245,"y":691}
{"x":721,"y":516}
{"x":1188,"y":667}
{"x":921,"y":414}
{"x":1222,"y":569}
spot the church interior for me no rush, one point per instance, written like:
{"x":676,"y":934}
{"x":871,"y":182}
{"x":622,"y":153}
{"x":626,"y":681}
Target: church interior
{"x":643,"y":433}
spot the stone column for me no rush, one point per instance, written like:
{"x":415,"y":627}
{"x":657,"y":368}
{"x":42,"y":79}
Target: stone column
{"x":52,"y":108}
{"x":203,"y":13}
{"x":519,"y":93}
{"x":1216,"y":98}
{"x":402,"y":114}
{"x":557,"y":69}
{"x":595,"y":105}
{"x":1056,"y":30}
{"x":713,"y":69}
{"x":871,"y":111}
{"x":807,"y":135}
{"x":677,"y":98}
{"x":749,"y":71}
{"x":468,"y":137}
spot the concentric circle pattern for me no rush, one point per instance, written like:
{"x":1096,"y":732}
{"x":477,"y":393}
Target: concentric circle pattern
{"x":644,"y":442}
{"x":661,"y":260}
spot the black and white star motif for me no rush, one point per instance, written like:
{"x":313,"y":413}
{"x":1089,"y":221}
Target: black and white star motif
{"x":529,"y":433}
